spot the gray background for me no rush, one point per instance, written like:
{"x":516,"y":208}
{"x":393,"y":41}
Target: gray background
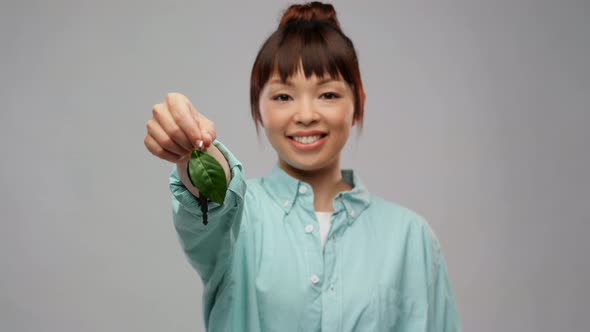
{"x":477,"y":117}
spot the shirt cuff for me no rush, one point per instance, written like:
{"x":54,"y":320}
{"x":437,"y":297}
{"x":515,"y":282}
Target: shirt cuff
{"x":234,"y":195}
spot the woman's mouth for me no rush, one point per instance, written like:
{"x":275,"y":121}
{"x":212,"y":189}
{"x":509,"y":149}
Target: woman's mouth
{"x":308,"y":142}
{"x":307,"y":139}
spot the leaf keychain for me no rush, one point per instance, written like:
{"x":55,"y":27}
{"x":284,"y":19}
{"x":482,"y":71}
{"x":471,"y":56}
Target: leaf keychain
{"x":208,"y":176}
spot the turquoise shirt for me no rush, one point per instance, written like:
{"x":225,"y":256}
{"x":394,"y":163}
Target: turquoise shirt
{"x":263,"y":268}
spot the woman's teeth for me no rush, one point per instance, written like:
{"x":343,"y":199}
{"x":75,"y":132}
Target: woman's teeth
{"x":306,"y":139}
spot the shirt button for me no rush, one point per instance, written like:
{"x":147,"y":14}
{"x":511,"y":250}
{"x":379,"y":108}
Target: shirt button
{"x":309,"y":228}
{"x":339,"y":199}
{"x":302,"y":189}
{"x":286,"y":203}
{"x":314,"y":279}
{"x":352,"y":214}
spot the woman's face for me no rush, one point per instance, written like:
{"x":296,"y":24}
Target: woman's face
{"x":307,"y":121}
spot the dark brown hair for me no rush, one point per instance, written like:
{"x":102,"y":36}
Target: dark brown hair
{"x":308,"y":36}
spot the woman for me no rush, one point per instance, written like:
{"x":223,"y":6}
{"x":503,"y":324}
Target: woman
{"x":306,"y":248}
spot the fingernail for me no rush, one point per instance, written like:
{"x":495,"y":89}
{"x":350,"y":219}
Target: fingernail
{"x":209,"y":138}
{"x":200,"y":144}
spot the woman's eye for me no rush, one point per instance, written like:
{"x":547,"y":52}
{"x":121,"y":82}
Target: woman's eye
{"x":281,"y":97}
{"x":329,"y":95}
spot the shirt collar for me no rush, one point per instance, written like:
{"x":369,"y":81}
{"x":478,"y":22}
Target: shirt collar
{"x":284,"y":190}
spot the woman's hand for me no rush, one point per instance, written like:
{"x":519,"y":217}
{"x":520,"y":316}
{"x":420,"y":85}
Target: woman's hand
{"x":177,"y":128}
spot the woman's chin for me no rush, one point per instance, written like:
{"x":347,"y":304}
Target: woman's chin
{"x":306,"y":166}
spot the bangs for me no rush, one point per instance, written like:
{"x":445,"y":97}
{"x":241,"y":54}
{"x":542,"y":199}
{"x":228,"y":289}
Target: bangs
{"x":313,"y":47}
{"x":303,"y":48}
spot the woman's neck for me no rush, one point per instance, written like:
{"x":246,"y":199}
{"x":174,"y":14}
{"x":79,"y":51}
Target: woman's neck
{"x":325,"y":182}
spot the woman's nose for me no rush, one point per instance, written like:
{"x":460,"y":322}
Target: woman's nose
{"x":306,"y":113}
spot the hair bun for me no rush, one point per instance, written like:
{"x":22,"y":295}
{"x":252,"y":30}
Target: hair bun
{"x":311,"y":11}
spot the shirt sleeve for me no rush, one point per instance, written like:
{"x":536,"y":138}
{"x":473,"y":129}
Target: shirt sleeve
{"x":442,"y":309}
{"x":209,"y":248}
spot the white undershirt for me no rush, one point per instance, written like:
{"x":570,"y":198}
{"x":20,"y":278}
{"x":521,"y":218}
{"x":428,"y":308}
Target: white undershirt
{"x":324,"y":221}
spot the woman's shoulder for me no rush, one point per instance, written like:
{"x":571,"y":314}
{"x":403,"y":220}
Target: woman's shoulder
{"x":395,"y":215}
{"x":257,"y":193}
{"x":254,"y":187}
{"x":394,"y":209}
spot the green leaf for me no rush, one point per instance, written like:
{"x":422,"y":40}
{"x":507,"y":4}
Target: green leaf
{"x":207,"y":175}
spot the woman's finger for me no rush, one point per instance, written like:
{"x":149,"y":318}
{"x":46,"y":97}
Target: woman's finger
{"x":182,"y":112}
{"x":161,"y":137}
{"x":206,"y":126}
{"x":168,"y":124}
{"x":158,"y":151}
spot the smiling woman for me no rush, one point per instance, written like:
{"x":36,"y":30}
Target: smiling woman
{"x":307,"y":121}
{"x":306,"y":248}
